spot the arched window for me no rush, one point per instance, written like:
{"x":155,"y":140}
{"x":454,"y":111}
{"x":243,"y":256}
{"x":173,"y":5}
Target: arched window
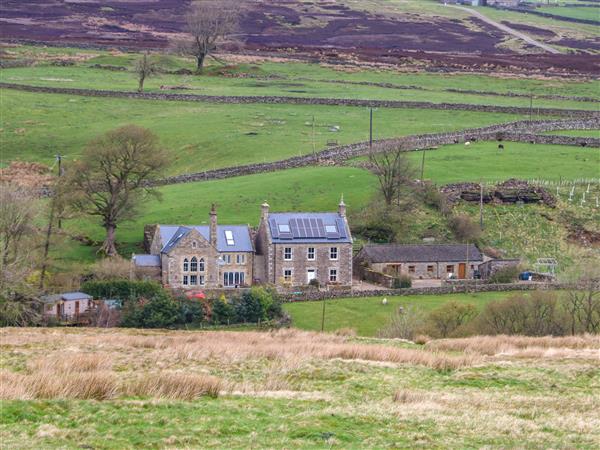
{"x":194,"y":265}
{"x":201,"y":265}
{"x":186,"y":265}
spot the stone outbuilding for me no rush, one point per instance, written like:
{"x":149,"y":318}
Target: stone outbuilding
{"x":420,"y":261}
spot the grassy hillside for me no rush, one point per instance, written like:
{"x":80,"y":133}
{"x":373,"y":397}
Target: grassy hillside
{"x":203,"y":136}
{"x":115,"y":389}
{"x":368,"y":315}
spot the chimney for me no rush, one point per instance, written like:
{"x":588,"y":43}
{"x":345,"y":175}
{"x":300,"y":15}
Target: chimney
{"x":213,"y":225}
{"x":264,"y":211}
{"x":342,"y":207}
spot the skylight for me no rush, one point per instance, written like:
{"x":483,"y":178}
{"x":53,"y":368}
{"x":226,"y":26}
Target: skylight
{"x":284,"y":228}
{"x":229,"y":237}
{"x":330,"y":228}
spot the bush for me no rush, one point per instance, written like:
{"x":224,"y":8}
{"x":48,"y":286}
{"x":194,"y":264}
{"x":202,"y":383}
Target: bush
{"x":114,"y":268}
{"x":222,"y":312}
{"x":405,"y":324}
{"x":449,"y":319}
{"x":464,"y":228}
{"x":506,"y":274}
{"x":537,"y":315}
{"x":402,"y":282}
{"x":161,"y":311}
{"x":191,"y":311}
{"x":314,"y":283}
{"x":122,"y":289}
{"x":257,"y":304}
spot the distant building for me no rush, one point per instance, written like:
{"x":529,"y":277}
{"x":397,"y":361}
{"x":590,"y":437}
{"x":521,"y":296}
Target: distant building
{"x":198,"y":256}
{"x":430,"y":261}
{"x":67,"y":306}
{"x":288,"y":249}
{"x":295,"y":248}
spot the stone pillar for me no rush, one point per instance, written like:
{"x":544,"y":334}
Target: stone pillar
{"x":213,"y":226}
{"x":342,"y":207}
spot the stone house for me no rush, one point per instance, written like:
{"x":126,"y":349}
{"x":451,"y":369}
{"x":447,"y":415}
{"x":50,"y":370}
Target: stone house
{"x":67,"y":306}
{"x":426,"y":261}
{"x":198,"y":256}
{"x":294,"y":248}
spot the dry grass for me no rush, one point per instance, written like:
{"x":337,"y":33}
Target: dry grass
{"x":174,"y":385}
{"x":587,"y":344}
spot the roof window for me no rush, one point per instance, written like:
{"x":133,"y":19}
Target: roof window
{"x":229,"y":237}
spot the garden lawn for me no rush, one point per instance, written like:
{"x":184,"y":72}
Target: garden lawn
{"x":368,"y":315}
{"x":483,"y":161}
{"x":203,"y":136}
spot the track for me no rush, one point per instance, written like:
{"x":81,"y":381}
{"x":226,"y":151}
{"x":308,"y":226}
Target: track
{"x":508,"y":30}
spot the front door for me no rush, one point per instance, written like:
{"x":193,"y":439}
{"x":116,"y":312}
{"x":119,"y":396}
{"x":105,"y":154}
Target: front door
{"x":462,"y":269}
{"x":76,"y":308}
{"x":311,"y":274}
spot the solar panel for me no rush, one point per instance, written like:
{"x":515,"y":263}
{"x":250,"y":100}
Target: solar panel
{"x":314,"y":231}
{"x":274,"y":229}
{"x":320,"y":229}
{"x":301,"y":228}
{"x":294,"y":227}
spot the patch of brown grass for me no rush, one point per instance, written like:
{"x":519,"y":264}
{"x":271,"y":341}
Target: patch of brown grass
{"x":174,"y":385}
{"x":502,"y":344}
{"x":408,"y":396}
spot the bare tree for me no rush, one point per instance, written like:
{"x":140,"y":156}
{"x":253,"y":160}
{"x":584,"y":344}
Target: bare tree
{"x":17,"y":211}
{"x":208,"y":23}
{"x":144,"y":68}
{"x":582,"y":302}
{"x":394,"y":173}
{"x":112,"y":177}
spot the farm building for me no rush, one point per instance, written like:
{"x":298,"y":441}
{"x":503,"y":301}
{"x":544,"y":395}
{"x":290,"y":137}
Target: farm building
{"x":423,"y":261}
{"x":67,"y":306}
{"x":488,"y":268}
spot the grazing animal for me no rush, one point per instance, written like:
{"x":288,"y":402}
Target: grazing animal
{"x":467,"y":143}
{"x":500,"y":146}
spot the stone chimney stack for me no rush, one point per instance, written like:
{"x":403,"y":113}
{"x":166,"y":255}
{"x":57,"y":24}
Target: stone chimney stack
{"x":264,"y":211}
{"x":213,"y":226}
{"x":342,"y":207}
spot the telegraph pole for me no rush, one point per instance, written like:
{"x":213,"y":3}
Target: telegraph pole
{"x":371,"y":128}
{"x":59,"y":161}
{"x":323,"y":317}
{"x":481,"y":204}
{"x":423,"y":166}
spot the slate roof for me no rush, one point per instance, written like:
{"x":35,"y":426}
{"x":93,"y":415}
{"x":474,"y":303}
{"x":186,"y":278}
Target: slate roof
{"x":67,"y":296}
{"x":421,"y":253}
{"x":146,"y":260}
{"x":171,"y":234}
{"x":308,"y":228}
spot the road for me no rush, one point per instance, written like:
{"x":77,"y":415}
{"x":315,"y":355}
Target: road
{"x":508,"y":30}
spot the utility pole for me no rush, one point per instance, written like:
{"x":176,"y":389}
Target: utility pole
{"x":59,"y":161}
{"x":481,"y":204}
{"x":530,"y":105}
{"x":423,"y":167}
{"x":313,"y":136}
{"x":371,"y":128}
{"x":323,"y":317}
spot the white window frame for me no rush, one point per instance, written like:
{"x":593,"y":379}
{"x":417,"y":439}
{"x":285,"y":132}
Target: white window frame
{"x":229,"y":238}
{"x":192,"y":278}
{"x":194,"y":264}
{"x":226,"y":258}
{"x":186,"y":280}
{"x":186,"y":265}
{"x":333,"y":272}
{"x":333,"y":250}
{"x":308,"y":269}
{"x":285,"y":258}
{"x":201,"y":265}
{"x":314,"y":253}
{"x":201,"y":280}
{"x":240,"y":258}
{"x":291,"y":271}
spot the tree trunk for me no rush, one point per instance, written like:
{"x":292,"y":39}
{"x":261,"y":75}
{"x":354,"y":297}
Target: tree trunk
{"x":141,"y":84}
{"x":108,"y":247}
{"x":47,"y":246}
{"x":200,"y":62}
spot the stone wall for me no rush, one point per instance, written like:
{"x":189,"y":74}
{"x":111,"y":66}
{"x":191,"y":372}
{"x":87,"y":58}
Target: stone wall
{"x":572,"y":113}
{"x":446,"y":289}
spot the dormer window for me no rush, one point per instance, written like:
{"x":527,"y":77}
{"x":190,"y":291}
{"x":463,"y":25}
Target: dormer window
{"x":229,"y":237}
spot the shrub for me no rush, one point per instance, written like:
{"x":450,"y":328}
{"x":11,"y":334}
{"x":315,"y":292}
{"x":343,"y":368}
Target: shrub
{"x":506,"y":274}
{"x":464,"y":228}
{"x":257,"y":304}
{"x":314,"y":283}
{"x":190,"y":311}
{"x":115,"y":268}
{"x":160,"y":311}
{"x":448,"y":319}
{"x":405,"y":324}
{"x":402,"y":282}
{"x":222,"y":312}
{"x":122,"y":289}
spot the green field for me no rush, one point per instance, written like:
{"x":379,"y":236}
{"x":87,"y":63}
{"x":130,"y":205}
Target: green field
{"x":579,"y":133}
{"x":482,"y":160}
{"x":587,"y":13}
{"x":368,"y":315}
{"x":204,"y":136}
